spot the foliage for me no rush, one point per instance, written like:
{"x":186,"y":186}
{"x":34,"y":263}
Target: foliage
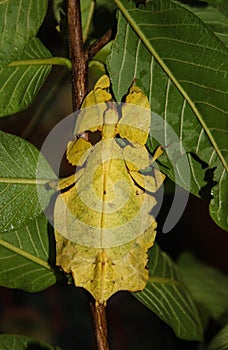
{"x":18,"y":184}
{"x":177,"y":54}
{"x":167,"y":296}
{"x":185,"y":86}
{"x":17,"y":342}
{"x":20,"y":82}
{"x":220,"y":341}
{"x":212,"y":296}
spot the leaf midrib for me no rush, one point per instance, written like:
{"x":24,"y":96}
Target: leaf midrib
{"x":24,"y":181}
{"x":25,"y":254}
{"x":140,"y":34}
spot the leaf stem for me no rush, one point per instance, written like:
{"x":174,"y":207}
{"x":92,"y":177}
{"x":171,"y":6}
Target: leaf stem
{"x":54,"y":61}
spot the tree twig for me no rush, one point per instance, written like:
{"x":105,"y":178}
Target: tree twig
{"x":97,"y":45}
{"x":100,"y":325}
{"x":79,"y":57}
{"x":77,"y":54}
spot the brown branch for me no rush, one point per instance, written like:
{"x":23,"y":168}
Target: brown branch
{"x":78,"y":55}
{"x":100,"y":325}
{"x":98,"y":44}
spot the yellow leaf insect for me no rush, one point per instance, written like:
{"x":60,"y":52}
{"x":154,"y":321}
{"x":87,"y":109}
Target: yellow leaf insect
{"x":102,"y":216}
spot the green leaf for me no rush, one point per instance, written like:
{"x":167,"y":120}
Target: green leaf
{"x":25,"y":257}
{"x":19,"y":201}
{"x":57,"y":6}
{"x":208,"y":286}
{"x":19,"y":23}
{"x":19,"y":342}
{"x":20,"y":83}
{"x":101,"y":56}
{"x":20,"y":20}
{"x":212,"y":17}
{"x":220,"y":5}
{"x":220,"y":341}
{"x":167,"y":296}
{"x":87,"y":10}
{"x":216,"y":21}
{"x":182,"y":66}
{"x":97,"y":66}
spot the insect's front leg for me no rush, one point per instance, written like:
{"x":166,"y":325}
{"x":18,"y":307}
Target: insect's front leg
{"x":70,"y":180}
